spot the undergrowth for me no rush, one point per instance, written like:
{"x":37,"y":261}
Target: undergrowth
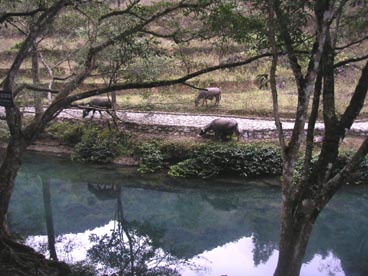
{"x":230,"y":159}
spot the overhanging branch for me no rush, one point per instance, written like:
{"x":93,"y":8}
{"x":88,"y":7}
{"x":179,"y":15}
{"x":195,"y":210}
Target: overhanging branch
{"x":34,"y":88}
{"x":346,"y":173}
{"x":181,"y":80}
{"x":350,"y":60}
{"x":8,"y":15}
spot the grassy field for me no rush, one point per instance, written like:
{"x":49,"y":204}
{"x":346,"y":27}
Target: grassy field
{"x":241,"y":92}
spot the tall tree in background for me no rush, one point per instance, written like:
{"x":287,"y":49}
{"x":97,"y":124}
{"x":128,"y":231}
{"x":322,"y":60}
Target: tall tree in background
{"x":126,"y":38}
{"x":326,"y":25}
{"x":89,"y":35}
{"x":97,"y":31}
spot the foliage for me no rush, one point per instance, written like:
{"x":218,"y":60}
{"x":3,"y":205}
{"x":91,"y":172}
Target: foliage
{"x":263,"y":81}
{"x":155,"y":155}
{"x":99,"y":146}
{"x":176,"y":151}
{"x":151,"y":158}
{"x":361,"y":174}
{"x":69,"y":133}
{"x":360,"y":177}
{"x":126,"y":252}
{"x":4,"y":132}
{"x":218,"y":159}
{"x":228,"y":20}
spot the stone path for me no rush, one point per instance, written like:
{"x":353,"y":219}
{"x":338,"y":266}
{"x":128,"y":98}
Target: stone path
{"x":199,"y":120}
{"x":195,"y":120}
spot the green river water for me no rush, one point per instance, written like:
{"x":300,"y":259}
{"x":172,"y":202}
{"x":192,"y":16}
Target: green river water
{"x":115,"y":219}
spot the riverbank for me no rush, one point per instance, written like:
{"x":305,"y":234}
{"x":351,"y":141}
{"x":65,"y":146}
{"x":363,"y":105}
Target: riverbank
{"x":178,"y":127}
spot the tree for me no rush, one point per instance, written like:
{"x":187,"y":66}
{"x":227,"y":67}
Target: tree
{"x":130,"y":34}
{"x":305,"y":195}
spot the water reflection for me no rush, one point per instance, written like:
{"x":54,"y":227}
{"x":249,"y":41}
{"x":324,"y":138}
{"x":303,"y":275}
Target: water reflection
{"x":119,"y":221}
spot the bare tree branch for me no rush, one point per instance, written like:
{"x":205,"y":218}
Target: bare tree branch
{"x":140,"y":26}
{"x":34,"y":88}
{"x":117,"y":13}
{"x":350,"y":60}
{"x":158,"y":83}
{"x":7,"y":16}
{"x":12,"y":113}
{"x":346,"y":173}
{"x":356,"y":102}
{"x":275,"y":55}
{"x":352,"y":43}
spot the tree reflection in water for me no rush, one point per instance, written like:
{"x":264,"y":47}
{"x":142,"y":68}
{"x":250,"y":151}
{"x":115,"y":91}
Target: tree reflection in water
{"x":212,"y":220}
{"x":262,"y":250}
{"x":126,"y":251}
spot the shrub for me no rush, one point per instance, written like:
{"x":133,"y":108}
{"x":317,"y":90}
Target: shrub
{"x":359,"y":177}
{"x":178,"y":150}
{"x":69,"y":133}
{"x":242,"y":160}
{"x":99,"y":146}
{"x":362,"y":175}
{"x":151,"y":158}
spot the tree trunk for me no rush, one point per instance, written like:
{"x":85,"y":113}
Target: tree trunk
{"x":296,"y":228}
{"x":8,"y":173}
{"x":48,"y":216}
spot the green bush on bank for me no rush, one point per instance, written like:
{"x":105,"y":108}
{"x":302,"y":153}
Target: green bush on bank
{"x":359,"y":177}
{"x":151,"y":159}
{"x":68,"y":133}
{"x":224,"y":159}
{"x":187,"y":159}
{"x":100,"y":145}
{"x":91,"y":144}
{"x":157,"y":155}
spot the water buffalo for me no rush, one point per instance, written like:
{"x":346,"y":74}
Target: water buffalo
{"x":222,"y":128}
{"x":95,"y":104}
{"x":208,"y":94}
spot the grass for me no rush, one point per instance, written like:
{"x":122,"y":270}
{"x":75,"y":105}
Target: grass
{"x":236,"y":99}
{"x":241,"y":94}
{"x":252,"y":102}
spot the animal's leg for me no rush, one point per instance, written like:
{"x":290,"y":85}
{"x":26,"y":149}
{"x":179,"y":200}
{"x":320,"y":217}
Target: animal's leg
{"x":217,"y":100}
{"x":218,"y":135}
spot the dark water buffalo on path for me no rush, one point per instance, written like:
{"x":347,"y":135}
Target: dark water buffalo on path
{"x":222,"y":127}
{"x":96,"y":104}
{"x":209,"y":93}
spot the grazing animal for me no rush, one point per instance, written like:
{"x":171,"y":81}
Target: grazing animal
{"x":100,"y":102}
{"x":222,"y":128}
{"x":208,"y":94}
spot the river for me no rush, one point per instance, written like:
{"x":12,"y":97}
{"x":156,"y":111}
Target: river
{"x":117,"y":220}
